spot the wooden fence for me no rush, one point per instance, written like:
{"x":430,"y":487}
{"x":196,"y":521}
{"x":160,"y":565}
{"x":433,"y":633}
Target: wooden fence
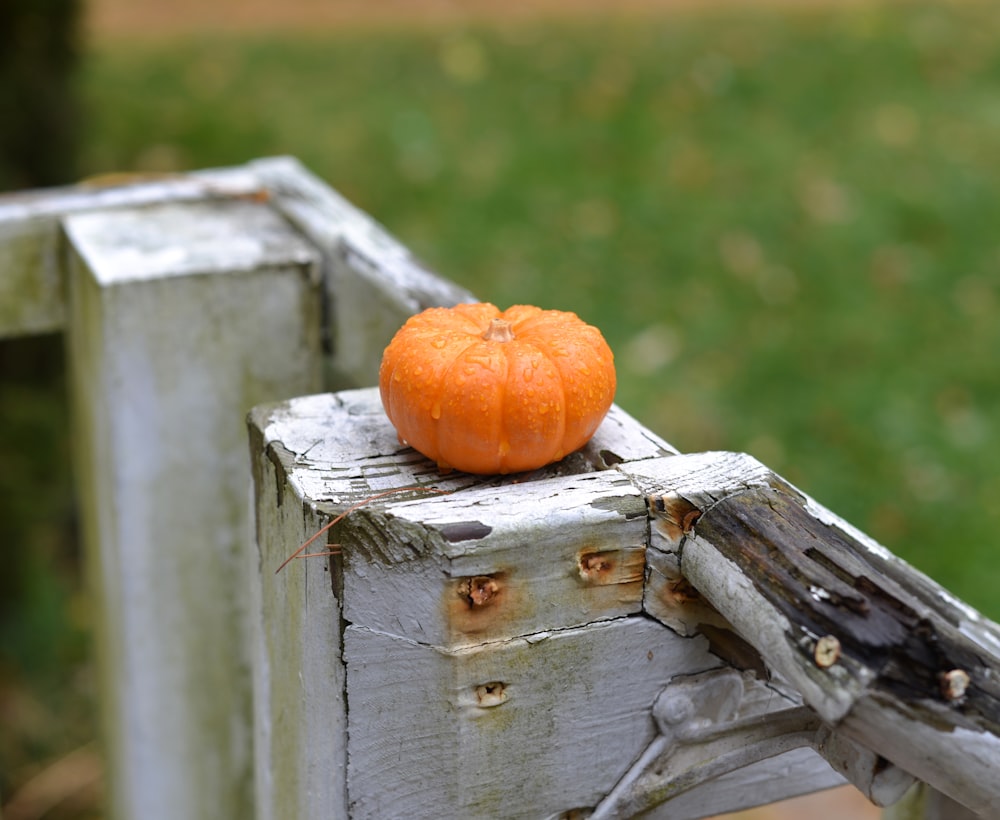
{"x":631,"y":631}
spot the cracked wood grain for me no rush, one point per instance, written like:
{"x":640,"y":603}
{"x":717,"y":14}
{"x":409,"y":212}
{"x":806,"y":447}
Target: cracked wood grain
{"x":875,"y":647}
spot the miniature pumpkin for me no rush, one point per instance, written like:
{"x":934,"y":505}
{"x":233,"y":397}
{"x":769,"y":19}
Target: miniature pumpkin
{"x":485,"y":391}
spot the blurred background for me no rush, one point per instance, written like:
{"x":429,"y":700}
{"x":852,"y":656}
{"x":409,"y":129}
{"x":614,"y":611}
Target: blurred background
{"x":782,"y":215}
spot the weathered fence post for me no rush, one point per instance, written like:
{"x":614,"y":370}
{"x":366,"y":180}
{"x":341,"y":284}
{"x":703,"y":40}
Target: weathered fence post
{"x":300,"y":678}
{"x":187,"y":300}
{"x":628,"y":632}
{"x":479,"y":654}
{"x":180,"y":317}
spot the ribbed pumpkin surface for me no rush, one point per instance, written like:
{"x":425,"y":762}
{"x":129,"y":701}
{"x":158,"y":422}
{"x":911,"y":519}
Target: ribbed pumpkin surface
{"x":485,"y":391}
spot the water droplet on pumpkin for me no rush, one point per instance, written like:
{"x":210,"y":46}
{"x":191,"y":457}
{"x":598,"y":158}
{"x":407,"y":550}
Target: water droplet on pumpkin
{"x":529,"y":372}
{"x":397,"y":376}
{"x":438,"y":342}
{"x":483,"y":361}
{"x":436,"y":411}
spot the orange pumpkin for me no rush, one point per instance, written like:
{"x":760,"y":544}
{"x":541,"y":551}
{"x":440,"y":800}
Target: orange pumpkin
{"x":485,"y":391}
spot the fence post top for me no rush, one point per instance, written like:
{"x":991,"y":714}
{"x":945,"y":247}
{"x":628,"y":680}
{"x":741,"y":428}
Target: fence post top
{"x":760,"y":561}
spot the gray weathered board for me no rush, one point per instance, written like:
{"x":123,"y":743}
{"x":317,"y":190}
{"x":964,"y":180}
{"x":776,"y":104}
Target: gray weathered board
{"x":897,"y":664}
{"x":181,"y":315}
{"x":485,"y":653}
{"x":186,"y":299}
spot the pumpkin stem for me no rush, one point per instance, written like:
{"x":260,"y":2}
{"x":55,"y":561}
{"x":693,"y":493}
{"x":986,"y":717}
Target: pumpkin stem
{"x":500,"y":330}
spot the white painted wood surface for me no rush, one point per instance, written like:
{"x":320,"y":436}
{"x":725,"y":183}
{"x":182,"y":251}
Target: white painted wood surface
{"x":186,"y":300}
{"x":497,"y":659}
{"x":373,"y":283}
{"x":548,"y":554}
{"x":314,"y":457}
{"x":298,"y":681}
{"x":527,"y":727}
{"x":32,"y":272}
{"x":182,"y":316}
{"x":362,"y":264}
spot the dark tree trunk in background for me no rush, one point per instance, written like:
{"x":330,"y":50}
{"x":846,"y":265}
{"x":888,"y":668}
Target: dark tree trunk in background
{"x":39,"y":116}
{"x":39,"y":50}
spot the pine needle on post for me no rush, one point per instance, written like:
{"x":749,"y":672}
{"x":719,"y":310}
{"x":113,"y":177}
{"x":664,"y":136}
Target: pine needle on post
{"x":300,"y":552}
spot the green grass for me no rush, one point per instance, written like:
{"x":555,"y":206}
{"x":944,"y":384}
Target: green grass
{"x":784,"y":223}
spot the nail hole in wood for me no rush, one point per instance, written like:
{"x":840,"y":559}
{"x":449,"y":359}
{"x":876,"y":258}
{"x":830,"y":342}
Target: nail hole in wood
{"x":596,"y":566}
{"x":479,"y":590}
{"x":491,"y":694}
